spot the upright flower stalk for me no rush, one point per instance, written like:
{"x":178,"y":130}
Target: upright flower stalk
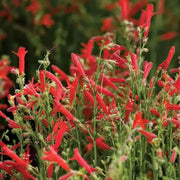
{"x":21,"y":55}
{"x":145,"y":19}
{"x":165,"y":64}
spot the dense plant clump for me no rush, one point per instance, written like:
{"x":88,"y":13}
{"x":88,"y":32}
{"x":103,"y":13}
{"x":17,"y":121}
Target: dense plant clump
{"x":107,"y":119}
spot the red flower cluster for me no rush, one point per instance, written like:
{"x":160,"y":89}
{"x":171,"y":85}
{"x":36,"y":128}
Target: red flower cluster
{"x":5,"y":82}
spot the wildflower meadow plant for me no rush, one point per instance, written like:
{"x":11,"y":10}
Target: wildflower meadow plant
{"x":106,"y":120}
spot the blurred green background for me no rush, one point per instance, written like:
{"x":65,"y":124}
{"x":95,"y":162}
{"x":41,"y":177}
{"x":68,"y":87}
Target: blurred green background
{"x":73,"y":22}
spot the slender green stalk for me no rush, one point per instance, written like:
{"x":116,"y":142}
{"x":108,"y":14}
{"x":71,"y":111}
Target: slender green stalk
{"x":97,"y":75}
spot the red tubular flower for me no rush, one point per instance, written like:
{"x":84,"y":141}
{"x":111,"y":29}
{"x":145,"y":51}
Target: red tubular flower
{"x":150,"y":136}
{"x":174,"y":70}
{"x":47,"y":21}
{"x":30,"y":89}
{"x":2,"y":175}
{"x":149,"y":11}
{"x":6,"y":83}
{"x":168,"y":36}
{"x":124,"y":8}
{"x":42,"y":80}
{"x":117,"y":80}
{"x":88,"y":95}
{"x":106,"y":52}
{"x":147,"y":69}
{"x":160,"y":83}
{"x":15,"y":146}
{"x":167,"y":78}
{"x":175,"y":107}
{"x":60,"y":108}
{"x":21,"y":54}
{"x":108,"y":82}
{"x":100,"y":143}
{"x":19,"y":101}
{"x":97,"y":38}
{"x":137,"y":6}
{"x":26,"y":155}
{"x":11,"y":154}
{"x":77,"y":157}
{"x":53,"y":78}
{"x":166,"y":63}
{"x":159,"y":152}
{"x":87,"y":51}
{"x":89,"y":147}
{"x":134,"y":63}
{"x":50,"y":170}
{"x":3,"y":115}
{"x":57,"y":93}
{"x":66,"y":176}
{"x":3,"y":106}
{"x":102,"y":89}
{"x":115,"y":56}
{"x":129,"y":108}
{"x":107,"y":25}
{"x":62,"y":75}
{"x":139,"y":121}
{"x":13,"y":124}
{"x":176,"y":122}
{"x":52,"y":156}
{"x":6,"y":168}
{"x":61,"y":131}
{"x":142,"y":18}
{"x":123,"y":158}
{"x":173,"y":156}
{"x":130,"y":105}
{"x":177,"y":83}
{"x":20,"y":169}
{"x":155,"y":112}
{"x":12,"y":109}
{"x":72,"y":92}
{"x":176,"y":86}
{"x":101,"y":103}
{"x":79,"y":66}
{"x":151,"y":83}
{"x":31,"y":104}
{"x":169,"y":58}
{"x":145,"y":18}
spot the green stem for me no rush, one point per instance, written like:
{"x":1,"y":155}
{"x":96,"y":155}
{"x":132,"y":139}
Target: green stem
{"x":94,"y":106}
{"x":141,"y":157}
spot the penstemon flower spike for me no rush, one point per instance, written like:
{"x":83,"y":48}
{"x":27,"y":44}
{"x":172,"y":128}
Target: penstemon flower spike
{"x":21,"y":55}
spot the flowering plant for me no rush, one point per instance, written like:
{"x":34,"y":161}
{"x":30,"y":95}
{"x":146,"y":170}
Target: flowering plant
{"x":106,"y":120}
{"x":40,"y":25}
